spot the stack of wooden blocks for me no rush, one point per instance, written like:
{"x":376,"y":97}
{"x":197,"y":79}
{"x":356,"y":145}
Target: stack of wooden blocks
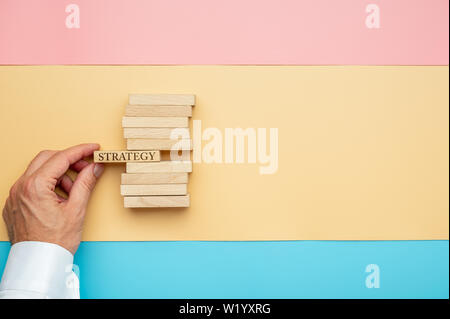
{"x":147,"y":125}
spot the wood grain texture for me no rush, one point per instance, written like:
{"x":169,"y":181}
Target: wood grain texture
{"x":149,"y":132}
{"x":126,"y":156}
{"x":128,"y":121}
{"x":184,"y":155}
{"x":154,"y":178}
{"x":158,"y":144}
{"x":156,"y":201}
{"x":161,"y":167}
{"x":159,"y":110}
{"x":161,"y":99}
{"x":156,"y":189}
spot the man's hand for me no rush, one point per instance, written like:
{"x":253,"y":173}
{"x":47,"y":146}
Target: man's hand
{"x":34,"y":212}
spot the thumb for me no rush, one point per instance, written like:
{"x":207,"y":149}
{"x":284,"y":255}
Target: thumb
{"x":84,"y":184}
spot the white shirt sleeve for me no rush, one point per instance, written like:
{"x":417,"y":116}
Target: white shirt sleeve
{"x":39,"y":270}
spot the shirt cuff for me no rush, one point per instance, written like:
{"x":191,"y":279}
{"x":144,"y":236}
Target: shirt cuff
{"x":42,"y":268}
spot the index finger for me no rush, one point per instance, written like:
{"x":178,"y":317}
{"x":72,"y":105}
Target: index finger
{"x":59,"y":163}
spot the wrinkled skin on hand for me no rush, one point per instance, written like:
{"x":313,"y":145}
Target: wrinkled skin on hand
{"x":35,"y":212}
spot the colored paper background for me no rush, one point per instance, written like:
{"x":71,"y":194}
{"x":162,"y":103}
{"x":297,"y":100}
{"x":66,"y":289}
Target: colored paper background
{"x":412,"y":32}
{"x":408,"y":269}
{"x":363,"y":151}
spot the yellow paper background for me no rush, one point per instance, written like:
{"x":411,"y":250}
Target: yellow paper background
{"x":363,"y":150}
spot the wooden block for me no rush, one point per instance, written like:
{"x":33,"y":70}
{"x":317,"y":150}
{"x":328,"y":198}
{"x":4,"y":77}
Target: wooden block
{"x":159,"y":110}
{"x":157,"y":144}
{"x":126,"y":156}
{"x":156,"y":201}
{"x":161,"y":99}
{"x":160,"y":167}
{"x":149,"y":132}
{"x":164,"y":189}
{"x":155,"y":121}
{"x":176,"y":155}
{"x":154,"y":178}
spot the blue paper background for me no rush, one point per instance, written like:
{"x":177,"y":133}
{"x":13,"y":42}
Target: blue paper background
{"x":292,"y":269}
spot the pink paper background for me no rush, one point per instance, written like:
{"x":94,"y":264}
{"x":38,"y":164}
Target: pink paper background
{"x":413,"y":32}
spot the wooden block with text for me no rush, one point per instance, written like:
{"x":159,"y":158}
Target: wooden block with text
{"x":155,"y":189}
{"x":160,"y":167}
{"x":158,"y":144}
{"x":128,"y":121}
{"x":156,"y":201}
{"x":161,"y":99}
{"x":126,"y":156}
{"x":159,"y":110}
